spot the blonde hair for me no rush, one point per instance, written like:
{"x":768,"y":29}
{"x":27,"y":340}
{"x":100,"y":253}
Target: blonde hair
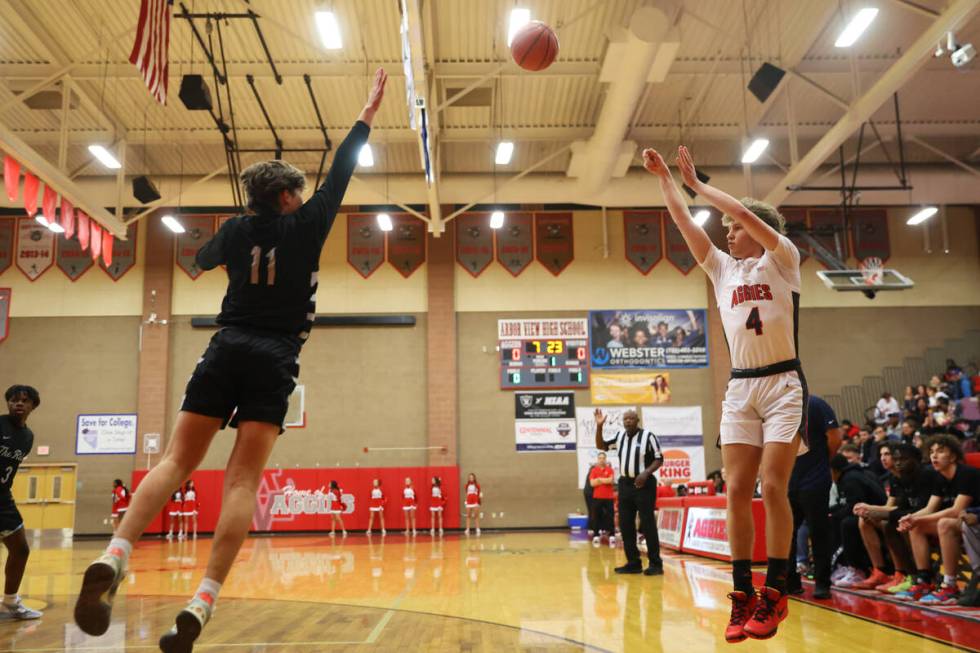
{"x":765,"y":212}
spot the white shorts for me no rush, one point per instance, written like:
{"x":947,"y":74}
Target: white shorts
{"x":376,"y":509}
{"x":407,"y":508}
{"x":765,"y":409}
{"x":435,"y":509}
{"x":472,"y":505}
{"x":189,"y":514}
{"x":174,"y":514}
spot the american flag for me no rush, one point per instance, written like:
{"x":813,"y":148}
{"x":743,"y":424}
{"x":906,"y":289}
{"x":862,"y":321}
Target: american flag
{"x":150,"y":51}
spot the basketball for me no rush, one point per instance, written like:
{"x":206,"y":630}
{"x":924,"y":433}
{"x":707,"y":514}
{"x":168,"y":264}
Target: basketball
{"x":535,"y":46}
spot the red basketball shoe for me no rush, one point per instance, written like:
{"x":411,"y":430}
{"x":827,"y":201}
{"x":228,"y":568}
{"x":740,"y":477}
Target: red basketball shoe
{"x":770,"y":609}
{"x":743,"y":605}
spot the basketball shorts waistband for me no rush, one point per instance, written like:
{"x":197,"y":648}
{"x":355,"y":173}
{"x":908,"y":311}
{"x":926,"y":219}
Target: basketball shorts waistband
{"x":792,"y":365}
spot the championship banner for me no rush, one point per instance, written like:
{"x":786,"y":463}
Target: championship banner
{"x":365,"y":244}
{"x":797,"y":218}
{"x":72,"y":259}
{"x":554,"y":240}
{"x":474,"y":242}
{"x":5,"y":294}
{"x":406,"y":244}
{"x":670,"y":526}
{"x":545,"y":435}
{"x":123,"y":254}
{"x":647,"y":339}
{"x":870,"y":234}
{"x":826,"y":223}
{"x":644,"y":244}
{"x":630,"y":388}
{"x":544,"y":405}
{"x":7,"y":229}
{"x":677,"y":250}
{"x":542,"y":329}
{"x":514,"y":243}
{"x":681,"y":438}
{"x":199,"y":229}
{"x":35,"y":248}
{"x":585,"y":424}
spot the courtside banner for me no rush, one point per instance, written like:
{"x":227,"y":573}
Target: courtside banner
{"x":706,"y":532}
{"x":545,"y":435}
{"x":670,"y":525}
{"x":679,"y":430}
{"x":542,"y":329}
{"x":648,"y":339}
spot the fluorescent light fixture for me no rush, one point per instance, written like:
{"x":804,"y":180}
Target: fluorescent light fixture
{"x":505,"y":150}
{"x":496,"y":219}
{"x":326,"y":24}
{"x":856,"y":27}
{"x":55,"y":227}
{"x":755,"y":150}
{"x":701,"y":217}
{"x":41,"y":220}
{"x":105,"y":157}
{"x":518,"y":19}
{"x":365,"y":158}
{"x":923,"y":215}
{"x":384,"y":222}
{"x":173,"y":224}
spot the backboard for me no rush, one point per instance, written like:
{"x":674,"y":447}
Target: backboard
{"x":854,"y":280}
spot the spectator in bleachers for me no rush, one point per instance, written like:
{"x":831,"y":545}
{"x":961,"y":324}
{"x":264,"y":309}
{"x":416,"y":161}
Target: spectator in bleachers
{"x":909,"y":427}
{"x":893,"y":428}
{"x":935,"y":382}
{"x":970,"y":521}
{"x":908,"y":490}
{"x":871,"y":452}
{"x":856,"y":486}
{"x":851,"y":454}
{"x":921,"y":410}
{"x":908,"y":399}
{"x":848,"y":430}
{"x":957,"y":486}
{"x":885,"y":407}
{"x":887,"y":462}
{"x":960,"y":386}
{"x":938,"y":419}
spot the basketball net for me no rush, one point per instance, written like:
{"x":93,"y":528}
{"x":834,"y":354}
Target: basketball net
{"x":871,"y":271}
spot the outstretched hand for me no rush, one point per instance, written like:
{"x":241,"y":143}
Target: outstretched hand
{"x":655,"y":164}
{"x":600,"y":419}
{"x":374,"y":97}
{"x":685,"y":162}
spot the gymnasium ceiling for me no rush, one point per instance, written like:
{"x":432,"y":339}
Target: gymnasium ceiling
{"x":702,"y":101}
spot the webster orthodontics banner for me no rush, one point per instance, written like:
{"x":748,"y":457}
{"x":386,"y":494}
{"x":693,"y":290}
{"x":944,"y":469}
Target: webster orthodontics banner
{"x":648,"y":339}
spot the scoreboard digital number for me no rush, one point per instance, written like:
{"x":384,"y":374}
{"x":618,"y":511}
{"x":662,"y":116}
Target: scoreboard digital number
{"x":545,"y":363}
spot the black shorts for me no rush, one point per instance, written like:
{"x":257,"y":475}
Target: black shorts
{"x":244,"y":376}
{"x":10,"y":519}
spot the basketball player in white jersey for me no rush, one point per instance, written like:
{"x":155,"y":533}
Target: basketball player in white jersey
{"x":757,"y":287}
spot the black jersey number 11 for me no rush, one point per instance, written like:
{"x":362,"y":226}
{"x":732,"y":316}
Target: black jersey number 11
{"x":754,"y":322}
{"x":270,"y":267}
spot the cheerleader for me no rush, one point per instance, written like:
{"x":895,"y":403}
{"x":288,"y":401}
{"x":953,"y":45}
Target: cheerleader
{"x":336,"y":509}
{"x":120,"y":502}
{"x":409,"y":502}
{"x":438,"y":503}
{"x":188,"y":509}
{"x":474,"y":500}
{"x":377,"y":507}
{"x":173,"y":512}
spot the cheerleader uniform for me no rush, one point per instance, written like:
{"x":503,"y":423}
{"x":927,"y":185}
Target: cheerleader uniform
{"x":175,"y":504}
{"x":120,"y":501}
{"x":438,"y":501}
{"x":189,"y":503}
{"x":333,"y":500}
{"x":408,"y":499}
{"x":378,"y":500}
{"x":473,"y":495}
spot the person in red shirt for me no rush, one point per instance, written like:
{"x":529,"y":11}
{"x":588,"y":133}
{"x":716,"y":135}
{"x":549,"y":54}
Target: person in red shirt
{"x":120,"y":502}
{"x":601,"y":479}
{"x":437,"y":507}
{"x":409,"y":505}
{"x":377,"y":507}
{"x":474,"y":499}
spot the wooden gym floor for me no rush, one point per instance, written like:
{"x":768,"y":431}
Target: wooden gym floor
{"x":525,"y":591}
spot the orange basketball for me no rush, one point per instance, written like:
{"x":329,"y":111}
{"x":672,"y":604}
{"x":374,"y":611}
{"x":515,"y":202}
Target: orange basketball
{"x":535,"y":46}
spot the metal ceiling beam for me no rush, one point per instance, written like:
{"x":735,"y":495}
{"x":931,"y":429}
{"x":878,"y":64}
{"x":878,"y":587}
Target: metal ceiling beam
{"x":864,"y":107}
{"x":949,"y":157}
{"x":917,"y":8}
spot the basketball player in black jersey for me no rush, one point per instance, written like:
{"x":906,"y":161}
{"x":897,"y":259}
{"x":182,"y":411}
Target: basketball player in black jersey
{"x":16,"y":441}
{"x":250,"y":368}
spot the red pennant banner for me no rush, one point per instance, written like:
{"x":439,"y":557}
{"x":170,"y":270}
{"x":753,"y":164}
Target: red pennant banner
{"x":35,"y":248}
{"x":123,"y":254}
{"x":365,"y":243}
{"x":31,"y":185}
{"x":72,"y":259}
{"x":870,"y":234}
{"x":554,"y":241}
{"x":67,"y":217}
{"x":515,"y":239}
{"x":95,"y":239}
{"x":83,"y":230}
{"x":107,"y":239}
{"x":48,"y":203}
{"x":644,"y":245}
{"x":406,"y":244}
{"x":11,"y":176}
{"x":474,"y":242}
{"x":678,"y":252}
{"x":199,"y":230}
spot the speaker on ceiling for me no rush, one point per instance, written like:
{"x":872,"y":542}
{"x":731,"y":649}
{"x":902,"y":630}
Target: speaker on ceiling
{"x":765,"y":80}
{"x":703,"y":177}
{"x":144,"y":190}
{"x":194,"y":93}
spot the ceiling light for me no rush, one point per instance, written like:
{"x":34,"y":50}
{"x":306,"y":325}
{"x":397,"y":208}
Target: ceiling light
{"x":105,"y":157}
{"x":701,"y":217}
{"x":173,"y":224}
{"x":856,"y":27}
{"x":55,"y":227}
{"x":384,"y":222}
{"x":922,"y":215}
{"x":518,"y":19}
{"x":755,"y":150}
{"x":505,"y":150}
{"x":496,"y":219}
{"x":326,"y":24}
{"x":365,"y":158}
{"x":41,"y":220}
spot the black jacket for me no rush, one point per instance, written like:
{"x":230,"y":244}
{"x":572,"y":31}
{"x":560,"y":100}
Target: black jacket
{"x":858,"y":485}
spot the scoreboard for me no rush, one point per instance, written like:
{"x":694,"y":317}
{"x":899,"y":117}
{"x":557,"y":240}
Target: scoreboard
{"x":544,"y":363}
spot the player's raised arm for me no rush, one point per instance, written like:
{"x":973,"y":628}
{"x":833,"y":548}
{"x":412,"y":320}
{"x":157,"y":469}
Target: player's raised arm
{"x":756,"y":228}
{"x":322,"y":207}
{"x":695,"y":237}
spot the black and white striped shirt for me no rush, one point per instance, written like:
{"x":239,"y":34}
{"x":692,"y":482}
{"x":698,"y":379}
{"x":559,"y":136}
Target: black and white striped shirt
{"x":636,"y":452}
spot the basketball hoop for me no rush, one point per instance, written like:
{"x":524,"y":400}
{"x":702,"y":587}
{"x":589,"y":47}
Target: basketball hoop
{"x":871,"y":271}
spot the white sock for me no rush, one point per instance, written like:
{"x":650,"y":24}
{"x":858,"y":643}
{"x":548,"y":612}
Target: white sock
{"x":120,"y":548}
{"x":949,"y":580}
{"x":210,"y":587}
{"x":10,"y":599}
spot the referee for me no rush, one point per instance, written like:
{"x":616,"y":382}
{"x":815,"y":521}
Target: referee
{"x":639,"y":457}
